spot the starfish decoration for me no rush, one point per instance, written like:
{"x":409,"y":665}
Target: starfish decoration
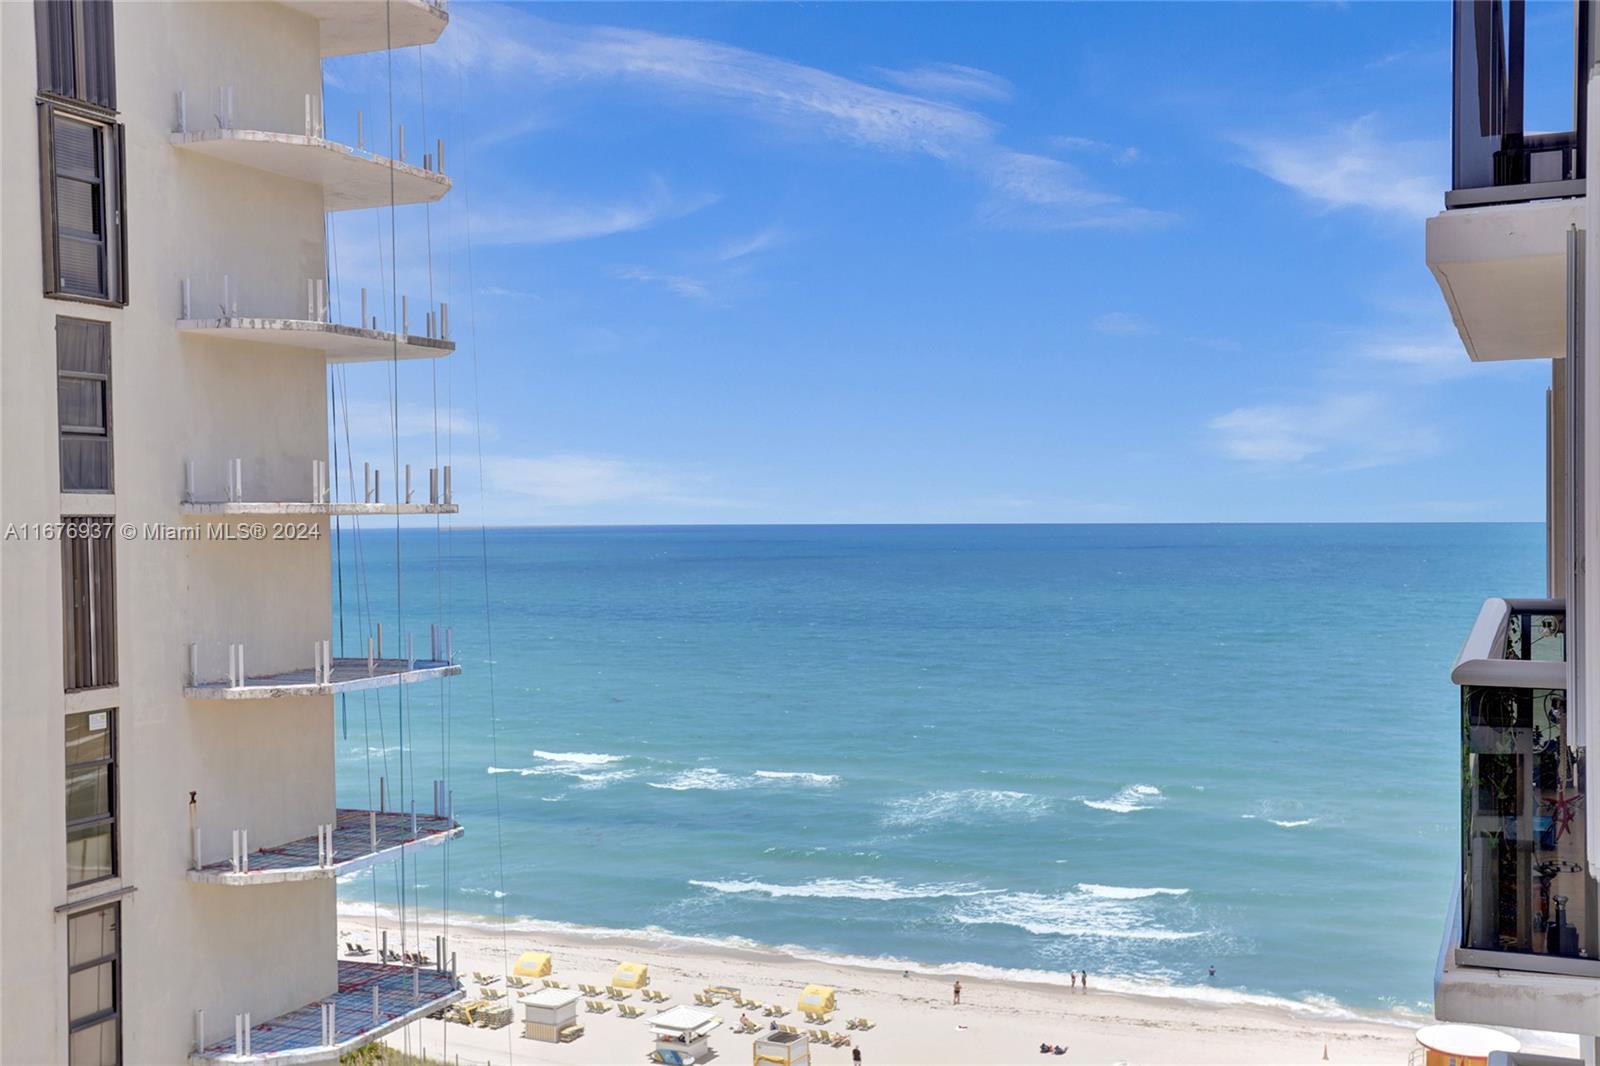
{"x":1563,"y":809}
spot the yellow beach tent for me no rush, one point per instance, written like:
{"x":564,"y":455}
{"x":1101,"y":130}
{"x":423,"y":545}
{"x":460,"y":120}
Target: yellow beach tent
{"x":533,"y":964}
{"x":631,"y":975}
{"x":818,"y":999}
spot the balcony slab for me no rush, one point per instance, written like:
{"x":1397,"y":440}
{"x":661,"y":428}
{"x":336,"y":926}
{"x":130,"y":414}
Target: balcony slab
{"x":353,"y":849}
{"x":350,"y":180}
{"x":245,"y":508}
{"x":351,"y":26}
{"x":340,"y":343}
{"x":347,"y":675}
{"x":1503,"y":272}
{"x":297,"y":1037}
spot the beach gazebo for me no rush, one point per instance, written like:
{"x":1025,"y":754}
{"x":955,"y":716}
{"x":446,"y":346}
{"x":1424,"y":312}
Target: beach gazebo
{"x":683,"y":1033}
{"x":817,"y":999}
{"x":533,"y":964}
{"x":777,"y":1048}
{"x":1463,"y":1045}
{"x":551,"y":1015}
{"x":631,"y":975}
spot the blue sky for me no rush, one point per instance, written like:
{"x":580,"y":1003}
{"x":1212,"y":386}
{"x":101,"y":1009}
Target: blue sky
{"x":900,"y":263}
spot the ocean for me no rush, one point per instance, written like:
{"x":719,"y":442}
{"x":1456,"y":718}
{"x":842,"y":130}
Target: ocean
{"x":1138,"y":751}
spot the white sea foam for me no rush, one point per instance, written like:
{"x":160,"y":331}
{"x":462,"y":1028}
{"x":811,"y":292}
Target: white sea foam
{"x":579,"y":758}
{"x":706,"y":778}
{"x":967,"y":805}
{"x":494,"y":892}
{"x":709,"y":778}
{"x":1318,"y":1006}
{"x":1119,"y":892}
{"x":1130,"y":799}
{"x":1284,"y":823}
{"x":799,"y":777}
{"x":866,"y":888}
{"x":1071,"y":914}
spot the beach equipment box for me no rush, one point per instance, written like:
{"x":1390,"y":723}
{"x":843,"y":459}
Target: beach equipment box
{"x":781,"y":1049}
{"x":631,"y":975}
{"x":683,"y":1031}
{"x":547,"y":1011}
{"x":533,"y":964}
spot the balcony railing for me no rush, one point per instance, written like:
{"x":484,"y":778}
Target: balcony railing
{"x":1495,"y":160}
{"x":1527,"y":899}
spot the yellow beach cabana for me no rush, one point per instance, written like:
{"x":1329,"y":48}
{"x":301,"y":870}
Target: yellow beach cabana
{"x":817,"y":999}
{"x":533,"y":964}
{"x":631,"y":975}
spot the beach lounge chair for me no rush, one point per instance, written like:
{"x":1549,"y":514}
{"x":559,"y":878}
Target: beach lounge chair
{"x":778,"y":1011}
{"x":569,"y":1032}
{"x":548,"y":983}
{"x":819,"y":1035}
{"x":704,"y":1000}
{"x":588,"y":990}
{"x":517,"y":982}
{"x":485,"y":978}
{"x":491,"y":993}
{"x":839,"y":1040}
{"x":791,"y":1030}
{"x":596,"y":1006}
{"x":629,"y":1012}
{"x":864,"y":1024}
{"x":357,"y":949}
{"x":618,"y":993}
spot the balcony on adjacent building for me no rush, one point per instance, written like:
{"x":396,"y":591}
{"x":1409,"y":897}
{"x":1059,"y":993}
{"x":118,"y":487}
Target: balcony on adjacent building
{"x":232,"y":499}
{"x":352,"y":26}
{"x":372,"y":1000}
{"x":327,"y":676}
{"x":356,"y":839}
{"x":1499,"y":249}
{"x":1528,"y":898}
{"x":350,"y":178}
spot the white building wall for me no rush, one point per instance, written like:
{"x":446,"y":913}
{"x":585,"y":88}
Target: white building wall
{"x":262,"y":765}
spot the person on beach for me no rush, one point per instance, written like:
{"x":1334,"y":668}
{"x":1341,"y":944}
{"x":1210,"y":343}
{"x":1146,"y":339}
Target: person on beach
{"x":1083,"y":975}
{"x":1074,"y":980}
{"x":956,"y":992}
{"x":855,"y":1056}
{"x":1211,"y":972}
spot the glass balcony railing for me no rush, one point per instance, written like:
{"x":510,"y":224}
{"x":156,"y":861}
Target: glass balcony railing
{"x":1495,"y":160}
{"x":1527,"y":900}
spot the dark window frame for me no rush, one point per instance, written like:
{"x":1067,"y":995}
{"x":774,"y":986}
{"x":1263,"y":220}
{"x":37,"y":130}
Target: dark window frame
{"x":88,"y":602}
{"x":114,"y":1012}
{"x":106,"y":431}
{"x":109,"y":764}
{"x":108,"y":181}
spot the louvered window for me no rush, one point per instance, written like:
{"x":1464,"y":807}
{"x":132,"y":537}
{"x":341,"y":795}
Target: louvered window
{"x":83,"y":404}
{"x":89,"y":602}
{"x":82,"y":202}
{"x":77,"y":51}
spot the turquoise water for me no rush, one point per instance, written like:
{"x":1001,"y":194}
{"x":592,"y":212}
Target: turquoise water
{"x":1134,"y":750}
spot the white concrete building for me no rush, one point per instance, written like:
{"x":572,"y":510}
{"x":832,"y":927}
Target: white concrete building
{"x":170,"y":838}
{"x":1516,"y":253}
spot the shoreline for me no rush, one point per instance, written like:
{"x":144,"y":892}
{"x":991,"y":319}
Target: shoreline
{"x":1004,"y":1016}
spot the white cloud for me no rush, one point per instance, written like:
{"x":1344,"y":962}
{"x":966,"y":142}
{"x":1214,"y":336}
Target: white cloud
{"x":574,"y":481}
{"x":1122,"y":324}
{"x":1438,"y":355}
{"x":370,"y":420}
{"x":770,"y":237}
{"x":1354,"y":165}
{"x":951,"y":79}
{"x":1350,"y":431}
{"x":551,"y":222}
{"x":1117,"y":153}
{"x":691,"y":288}
{"x":525,"y":50}
{"x":1043,"y":193}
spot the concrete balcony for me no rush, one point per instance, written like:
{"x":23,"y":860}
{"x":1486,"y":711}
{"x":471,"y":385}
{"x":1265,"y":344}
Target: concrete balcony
{"x":357,"y":839}
{"x":246,"y":508}
{"x":351,"y":26}
{"x":372,"y":1000}
{"x":1503,"y":272}
{"x":340,"y":675}
{"x":349,"y":179}
{"x":338,"y":343}
{"x":1479,"y":993}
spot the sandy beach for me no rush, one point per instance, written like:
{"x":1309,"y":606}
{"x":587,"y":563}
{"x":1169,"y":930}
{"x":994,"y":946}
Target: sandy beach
{"x":998,"y":1020}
